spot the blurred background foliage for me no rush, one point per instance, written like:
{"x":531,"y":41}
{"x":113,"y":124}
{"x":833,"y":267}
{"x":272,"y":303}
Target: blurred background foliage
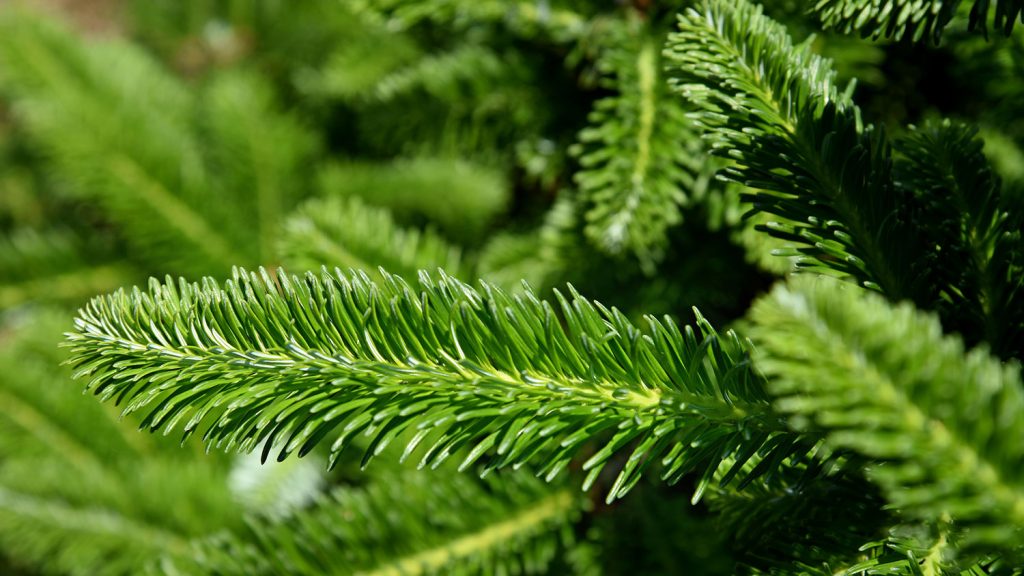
{"x":496,"y":139}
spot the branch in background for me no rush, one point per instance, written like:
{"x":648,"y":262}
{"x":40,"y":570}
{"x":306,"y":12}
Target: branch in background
{"x":346,"y":233}
{"x":981,"y":261}
{"x":542,"y":258}
{"x":130,"y":498}
{"x":142,"y":163}
{"x":258,"y":155}
{"x":54,"y":266}
{"x":525,"y":18}
{"x":473,"y":194}
{"x":415,"y":523}
{"x":639,"y":156}
{"x":181,"y":195}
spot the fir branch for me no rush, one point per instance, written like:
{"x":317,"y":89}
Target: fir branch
{"x":768,"y":253}
{"x":130,"y":182}
{"x":473,"y":97}
{"x":53,"y":266}
{"x":980,"y":256}
{"x":113,"y":521}
{"x":913,"y":551}
{"x":43,"y":416}
{"x":637,"y":168}
{"x":917,"y":20}
{"x":359,"y":64}
{"x":511,"y":260}
{"x":797,"y":141}
{"x":68,"y":286}
{"x":79,"y":540}
{"x":279,"y":39}
{"x":176,"y":191}
{"x":295,"y":361}
{"x":416,"y":523}
{"x":523,"y":17}
{"x":31,"y":421}
{"x":447,"y":76}
{"x":258,"y":154}
{"x":142,"y":163}
{"x":882,"y":380}
{"x":773,"y":108}
{"x":346,"y":233}
{"x":542,"y":258}
{"x":130,"y":499}
{"x":816,"y":516}
{"x":474,"y":193}
{"x":471,"y":101}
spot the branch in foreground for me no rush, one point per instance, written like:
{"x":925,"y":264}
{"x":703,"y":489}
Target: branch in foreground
{"x":941,"y":428}
{"x":437,"y":365}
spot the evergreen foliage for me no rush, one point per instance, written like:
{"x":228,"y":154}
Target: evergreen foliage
{"x":464,"y":528}
{"x":917,"y":20}
{"x":540,"y":258}
{"x":80,"y":491}
{"x":52,"y":263}
{"x":906,"y":403}
{"x":497,"y":221}
{"x":473,"y":194}
{"x":632,"y":187}
{"x":796,"y":140}
{"x":980,"y":233}
{"x":346,"y":233}
{"x":160,"y":185}
{"x":801,"y":145}
{"x":492,"y":373}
